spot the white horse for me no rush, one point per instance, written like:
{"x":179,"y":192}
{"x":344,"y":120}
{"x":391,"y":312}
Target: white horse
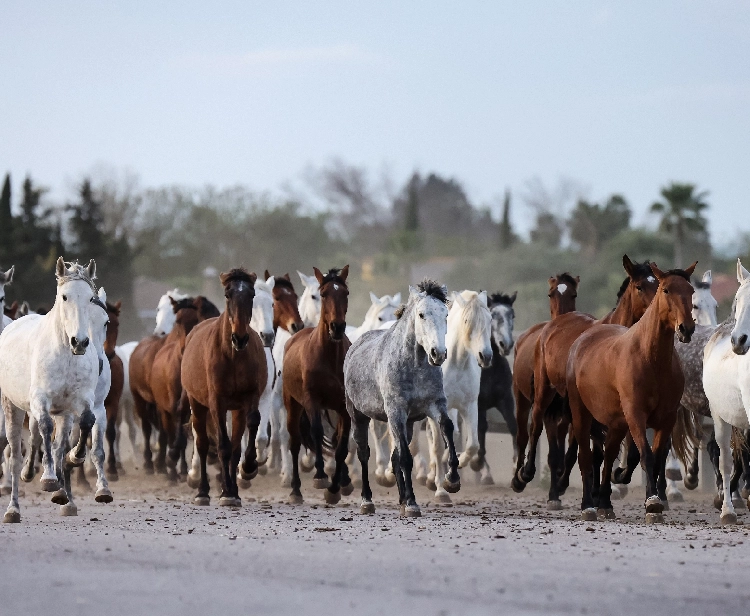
{"x":381,"y":311}
{"x":56,"y":385}
{"x":5,"y":279}
{"x":726,"y":380}
{"x":165,"y":316}
{"x":469,"y":345}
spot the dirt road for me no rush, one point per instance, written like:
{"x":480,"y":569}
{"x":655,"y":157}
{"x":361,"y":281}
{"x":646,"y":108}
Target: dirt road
{"x":151,"y":551}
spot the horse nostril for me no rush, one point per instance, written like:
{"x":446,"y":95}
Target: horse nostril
{"x":85,"y":343}
{"x":74,"y":341}
{"x":743,"y":339}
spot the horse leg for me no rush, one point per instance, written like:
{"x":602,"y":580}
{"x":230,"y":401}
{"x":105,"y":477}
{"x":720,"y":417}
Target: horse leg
{"x":111,"y":435}
{"x":168,"y":436}
{"x":597,"y":461}
{"x":506,"y":406}
{"x":265,"y":408}
{"x":142,"y":411}
{"x":103,"y":493}
{"x":420,"y":464}
{"x":477,"y":462}
{"x":160,"y":464}
{"x":661,"y":467}
{"x":199,"y":421}
{"x":77,"y":455}
{"x":582,"y":421}
{"x":470,"y":417}
{"x":734,"y":480}
{"x":653,"y":503}
{"x":13,"y":426}
{"x":673,"y":474}
{"x":294,"y":414}
{"x":63,"y":465}
{"x":332,"y":494}
{"x":240,"y":420}
{"x":218,"y":418}
{"x":351,"y":478}
{"x":379,"y":430}
{"x":712,"y":448}
{"x":554,"y":461}
{"x":571,"y":456}
{"x":723,"y":439}
{"x":451,"y":482}
{"x":623,"y":474}
{"x":691,"y":473}
{"x":35,"y":444}
{"x":523,"y":406}
{"x":614,"y":437}
{"x":436,"y":445}
{"x":745,"y":457}
{"x":320,"y":479}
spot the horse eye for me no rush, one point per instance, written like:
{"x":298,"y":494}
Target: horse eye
{"x":380,"y":318}
{"x":639,"y":287}
{"x":695,"y":307}
{"x":65,"y":298}
{"x":666,"y":291}
{"x":421,"y":315}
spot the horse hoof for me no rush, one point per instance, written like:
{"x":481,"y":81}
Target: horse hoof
{"x":321,"y":483}
{"x":442,"y":497}
{"x":422,"y":480}
{"x":728,"y":519}
{"x":230,"y":501}
{"x":606,"y":514}
{"x":487,"y":481}
{"x":331,"y":497}
{"x":654,"y":518}
{"x":103,"y":496}
{"x":27,"y":478}
{"x":60,"y":497}
{"x":296,"y":499}
{"x":718,"y":501}
{"x":385,"y":482}
{"x":68,"y":510}
{"x":12,"y":517}
{"x":589,"y":515}
{"x":673,"y":473}
{"x":71,"y":459}
{"x":411,"y":511}
{"x":305,"y":468}
{"x":202,"y":501}
{"x":654,"y":505}
{"x":367,"y":508}
{"x":738,"y":503}
{"x":347,"y":489}
{"x":476,"y":464}
{"x":690,"y":482}
{"x":193,"y":482}
{"x":554,"y":505}
{"x":431,"y":485}
{"x":450,"y":486}
{"x":248,"y":476}
{"x":243,"y":484}
{"x":50,"y":485}
{"x":517,"y":484}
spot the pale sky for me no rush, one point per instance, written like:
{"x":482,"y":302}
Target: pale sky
{"x":622,"y":97}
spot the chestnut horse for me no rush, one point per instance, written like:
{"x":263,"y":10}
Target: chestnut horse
{"x":314,"y":385}
{"x":631,"y":380}
{"x":285,"y":311}
{"x":223,"y":370}
{"x":563,"y":290}
{"x":550,"y":361}
{"x":140,"y":372}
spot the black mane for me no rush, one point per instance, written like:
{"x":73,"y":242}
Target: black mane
{"x":238,"y":274}
{"x":500,"y":298}
{"x":180,"y":304}
{"x":640,"y":270}
{"x":283,"y":282}
{"x":434,"y":289}
{"x":566,"y":278}
{"x":699,"y":284}
{"x":207,"y":309}
{"x":678,"y":272}
{"x":333,"y":276}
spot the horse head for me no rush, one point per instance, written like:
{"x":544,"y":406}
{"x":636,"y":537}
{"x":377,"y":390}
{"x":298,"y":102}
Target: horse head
{"x":430,"y":312}
{"x":563,"y":290}
{"x":285,"y":310}
{"x":382,"y":310}
{"x":239,"y":291}
{"x":309,"y":303}
{"x":474,"y":322}
{"x":186,"y":316}
{"x":638,"y":289}
{"x":675,"y":300}
{"x":334,"y":300}
{"x":75,"y":295}
{"x":704,"y":304}
{"x":113,"y":329}
{"x":164,"y":314}
{"x":5,"y":279}
{"x":741,"y":332}
{"x":503,"y":319}
{"x":262,"y":319}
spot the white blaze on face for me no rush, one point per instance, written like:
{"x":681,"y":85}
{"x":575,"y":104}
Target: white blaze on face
{"x":335,"y":287}
{"x":562,"y":288}
{"x":651,"y":279}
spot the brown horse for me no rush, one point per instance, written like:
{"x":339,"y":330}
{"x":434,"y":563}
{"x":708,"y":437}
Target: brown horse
{"x":224,"y":369}
{"x":563,"y":290}
{"x":285,"y":309}
{"x":631,"y":380}
{"x":141,"y":368}
{"x":112,"y":401}
{"x":314,"y":386}
{"x":550,"y":361}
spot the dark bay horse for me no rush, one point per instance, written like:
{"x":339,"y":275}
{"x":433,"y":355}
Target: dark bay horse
{"x":224,"y":369}
{"x":285,"y":305}
{"x":630,"y":380}
{"x":563,"y":290}
{"x":550,"y":362}
{"x":112,"y":401}
{"x":314,"y":386}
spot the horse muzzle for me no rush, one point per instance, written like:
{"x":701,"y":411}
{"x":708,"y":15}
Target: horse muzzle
{"x":684,"y":333}
{"x":239,"y":343}
{"x":484,"y":359}
{"x":296,"y":327}
{"x":267,"y":338}
{"x":740,"y":344}
{"x":79,"y":346}
{"x":337,"y":330}
{"x":435,"y":357}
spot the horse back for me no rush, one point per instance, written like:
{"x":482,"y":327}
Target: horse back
{"x":554,"y":344}
{"x":140,"y":366}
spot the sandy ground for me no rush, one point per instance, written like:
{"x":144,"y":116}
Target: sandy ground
{"x":151,"y":551}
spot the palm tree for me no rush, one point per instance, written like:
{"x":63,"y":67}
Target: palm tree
{"x":681,"y":214}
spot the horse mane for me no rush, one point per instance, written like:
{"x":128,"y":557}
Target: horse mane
{"x":678,"y":272}
{"x":400,"y":311}
{"x":699,"y":284}
{"x":567,"y":278}
{"x":333,"y":276}
{"x":283,"y":282}
{"x":434,"y":289}
{"x":206,"y":308}
{"x":237,"y":274}
{"x":500,"y":298}
{"x":113,"y":309}
{"x":641,"y":270}
{"x":75,"y":271}
{"x":180,"y":304}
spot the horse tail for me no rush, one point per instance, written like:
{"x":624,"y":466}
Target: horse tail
{"x":687,"y":435}
{"x":305,"y":432}
{"x":739,"y":441}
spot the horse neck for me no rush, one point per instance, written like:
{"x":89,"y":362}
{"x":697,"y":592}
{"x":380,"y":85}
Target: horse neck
{"x":654,"y":336}
{"x":622,"y":314}
{"x":405,"y":328}
{"x":225,"y":331}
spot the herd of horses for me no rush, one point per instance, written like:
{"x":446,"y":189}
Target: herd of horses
{"x":277,"y":382}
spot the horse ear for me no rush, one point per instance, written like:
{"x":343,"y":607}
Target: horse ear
{"x":742,"y":273}
{"x":253,"y":278}
{"x":513,"y":297}
{"x":689,"y":271}
{"x":707,"y":277}
{"x":656,"y":271}
{"x":118,"y":306}
{"x":7,"y":277}
{"x":483,"y":297}
{"x":266,"y":275}
{"x":344,"y":273}
{"x":374,"y":298}
{"x":270,"y":281}
{"x":552,"y":282}
{"x":397,"y":298}
{"x":60,"y":267}
{"x":578,"y":280}
{"x":458,"y":298}
{"x":102,"y":295}
{"x":303,"y":278}
{"x":174,"y":304}
{"x":628,"y":265}
{"x":318,"y":275}
{"x":286,"y":277}
{"x":91,"y":270}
